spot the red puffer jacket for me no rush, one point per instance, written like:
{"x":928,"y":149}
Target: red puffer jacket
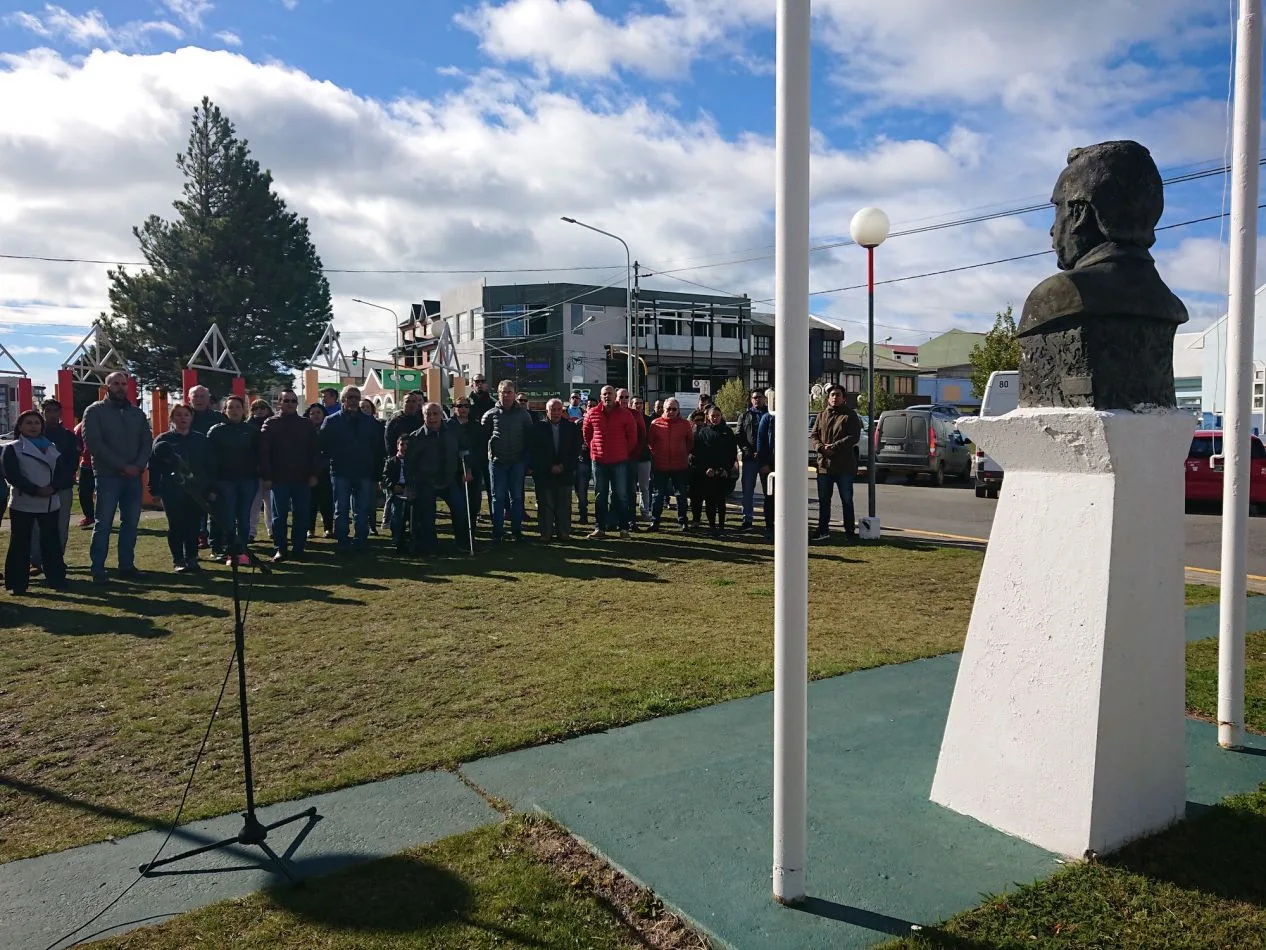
{"x":671,"y":441}
{"x":611,"y":434}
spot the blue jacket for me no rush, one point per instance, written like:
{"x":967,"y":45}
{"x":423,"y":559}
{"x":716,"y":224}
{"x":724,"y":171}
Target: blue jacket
{"x":765,"y":441}
{"x":353,"y":442}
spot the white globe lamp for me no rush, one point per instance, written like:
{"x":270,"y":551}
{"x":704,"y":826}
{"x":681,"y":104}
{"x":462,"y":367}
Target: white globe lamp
{"x":869,"y":227}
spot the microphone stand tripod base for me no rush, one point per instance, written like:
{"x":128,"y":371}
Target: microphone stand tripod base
{"x":253,"y":833}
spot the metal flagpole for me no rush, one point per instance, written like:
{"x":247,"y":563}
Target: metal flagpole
{"x":791,"y":501}
{"x":1239,"y":374}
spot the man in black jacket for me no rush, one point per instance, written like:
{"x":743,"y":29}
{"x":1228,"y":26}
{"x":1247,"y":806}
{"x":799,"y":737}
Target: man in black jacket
{"x":433,"y":471}
{"x":404,"y":423}
{"x":749,"y":425}
{"x":63,"y":478}
{"x":554,"y":448}
{"x":472,"y":451}
{"x":481,"y":400}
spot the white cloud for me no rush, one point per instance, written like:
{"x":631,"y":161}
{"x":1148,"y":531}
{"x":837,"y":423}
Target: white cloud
{"x":32,"y":350}
{"x":229,"y":38}
{"x":190,"y":12}
{"x":571,"y":37}
{"x":290,"y":4}
{"x":91,"y":30}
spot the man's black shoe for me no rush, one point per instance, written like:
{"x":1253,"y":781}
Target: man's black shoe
{"x":130,"y":573}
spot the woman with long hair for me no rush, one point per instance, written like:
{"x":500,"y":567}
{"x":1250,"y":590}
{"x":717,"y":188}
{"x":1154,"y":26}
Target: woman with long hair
{"x":234,"y":446}
{"x":180,"y":474}
{"x":322,"y":491}
{"x":30,"y":464}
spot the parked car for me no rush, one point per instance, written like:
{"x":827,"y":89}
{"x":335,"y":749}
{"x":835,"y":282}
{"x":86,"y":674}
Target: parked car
{"x":863,"y":444}
{"x":1204,"y":478}
{"x":940,"y":408}
{"x":920,"y":442}
{"x":1002,"y":394}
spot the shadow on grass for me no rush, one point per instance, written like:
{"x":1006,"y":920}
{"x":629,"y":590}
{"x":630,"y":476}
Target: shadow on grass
{"x":60,"y":798}
{"x":403,"y":894}
{"x":70,"y":622}
{"x":1216,"y":851}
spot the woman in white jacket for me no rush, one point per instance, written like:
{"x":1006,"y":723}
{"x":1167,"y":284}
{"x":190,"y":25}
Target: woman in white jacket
{"x":29,"y":466}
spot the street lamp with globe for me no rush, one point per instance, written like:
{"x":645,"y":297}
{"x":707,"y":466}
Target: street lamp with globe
{"x":869,"y":228}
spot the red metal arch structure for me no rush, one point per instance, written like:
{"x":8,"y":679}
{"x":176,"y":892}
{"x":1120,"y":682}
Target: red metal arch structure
{"x":95,"y":358}
{"x":212,"y":355}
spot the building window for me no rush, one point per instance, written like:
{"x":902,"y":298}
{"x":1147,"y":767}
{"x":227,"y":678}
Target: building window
{"x":669,"y":325}
{"x":537,"y":320}
{"x":458,"y":321}
{"x":477,"y":323}
{"x":884,"y":383}
{"x":700,"y":324}
{"x":852,"y":382}
{"x":512,"y":321}
{"x":761,"y":378}
{"x":762,"y":345}
{"x":830,"y":349}
{"x":729,"y":331}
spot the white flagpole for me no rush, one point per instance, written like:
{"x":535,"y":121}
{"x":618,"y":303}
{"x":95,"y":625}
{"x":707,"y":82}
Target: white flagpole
{"x":1239,"y":373}
{"x":791,"y":501}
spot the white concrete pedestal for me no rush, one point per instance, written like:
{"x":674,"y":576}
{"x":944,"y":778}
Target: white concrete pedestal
{"x":1066,"y":727}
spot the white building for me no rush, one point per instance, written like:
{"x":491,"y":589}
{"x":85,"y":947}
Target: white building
{"x":1200,"y":371}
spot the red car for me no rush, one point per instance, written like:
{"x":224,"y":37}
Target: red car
{"x":1204,"y":482}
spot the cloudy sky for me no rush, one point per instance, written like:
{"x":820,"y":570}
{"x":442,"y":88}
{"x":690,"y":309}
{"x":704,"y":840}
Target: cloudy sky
{"x":448,"y":136}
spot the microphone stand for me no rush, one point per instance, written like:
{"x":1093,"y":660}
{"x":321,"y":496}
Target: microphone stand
{"x":253,"y":831}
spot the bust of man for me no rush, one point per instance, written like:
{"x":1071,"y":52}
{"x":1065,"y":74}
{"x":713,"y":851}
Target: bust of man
{"x":1101,"y":333}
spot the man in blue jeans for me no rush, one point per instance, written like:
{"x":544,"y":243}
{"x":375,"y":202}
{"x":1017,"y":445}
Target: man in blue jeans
{"x":353,"y":442}
{"x":118,"y":436}
{"x":507,"y":425}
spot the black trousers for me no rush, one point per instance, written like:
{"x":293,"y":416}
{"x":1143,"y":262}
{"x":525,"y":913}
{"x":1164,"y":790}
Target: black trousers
{"x":715,"y":492}
{"x":88,"y":492}
{"x":184,"y":520}
{"x":695,"y":488}
{"x":322,"y":504}
{"x":18,"y":560}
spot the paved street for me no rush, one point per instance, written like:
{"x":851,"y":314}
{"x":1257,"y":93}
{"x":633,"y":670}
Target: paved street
{"x":957,"y":511}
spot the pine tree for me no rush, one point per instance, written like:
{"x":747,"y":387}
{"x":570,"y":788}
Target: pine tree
{"x":1000,"y":350}
{"x":234,"y":256}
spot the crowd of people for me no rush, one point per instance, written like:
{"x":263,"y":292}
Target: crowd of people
{"x":216,"y":471}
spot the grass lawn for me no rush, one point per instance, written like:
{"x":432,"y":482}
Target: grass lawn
{"x":481,"y":889}
{"x":376,"y":666}
{"x":1196,"y":885}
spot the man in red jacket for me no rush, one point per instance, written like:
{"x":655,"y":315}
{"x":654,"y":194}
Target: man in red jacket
{"x":610,"y":431}
{"x":671,"y":439}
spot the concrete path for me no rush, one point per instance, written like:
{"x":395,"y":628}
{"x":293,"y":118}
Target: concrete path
{"x":43,"y":898}
{"x":683,"y":805}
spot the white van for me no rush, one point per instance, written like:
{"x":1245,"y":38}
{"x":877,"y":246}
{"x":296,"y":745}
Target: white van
{"x":1002,"y":394}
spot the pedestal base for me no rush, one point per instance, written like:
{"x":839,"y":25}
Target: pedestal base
{"x":1066,"y":726}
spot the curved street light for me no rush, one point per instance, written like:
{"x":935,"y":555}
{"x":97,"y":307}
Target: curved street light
{"x":628,"y":292}
{"x":395,"y":329}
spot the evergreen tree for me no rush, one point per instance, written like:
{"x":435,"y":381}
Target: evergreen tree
{"x":1000,"y":350}
{"x":731,"y":398}
{"x":234,"y":256}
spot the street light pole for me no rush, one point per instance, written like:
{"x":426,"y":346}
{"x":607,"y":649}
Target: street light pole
{"x":791,"y":499}
{"x":395,"y":328}
{"x":869,"y":228}
{"x":628,"y":292}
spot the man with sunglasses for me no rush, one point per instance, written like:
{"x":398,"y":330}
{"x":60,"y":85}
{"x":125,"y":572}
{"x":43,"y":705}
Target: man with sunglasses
{"x":289,"y":462}
{"x":472,"y":449}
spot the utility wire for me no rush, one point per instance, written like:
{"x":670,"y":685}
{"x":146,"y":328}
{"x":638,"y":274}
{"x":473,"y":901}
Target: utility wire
{"x":924,"y":229}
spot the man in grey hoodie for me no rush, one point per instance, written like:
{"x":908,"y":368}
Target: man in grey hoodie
{"x":118,"y":436}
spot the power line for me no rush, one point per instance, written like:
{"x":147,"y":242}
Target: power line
{"x":333,"y":270}
{"x":955,"y":223}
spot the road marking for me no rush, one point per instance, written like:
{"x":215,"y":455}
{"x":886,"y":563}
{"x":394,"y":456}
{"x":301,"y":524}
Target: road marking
{"x":960,"y":537}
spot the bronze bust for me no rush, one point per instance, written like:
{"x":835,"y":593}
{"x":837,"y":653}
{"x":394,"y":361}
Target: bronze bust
{"x":1101,"y":333}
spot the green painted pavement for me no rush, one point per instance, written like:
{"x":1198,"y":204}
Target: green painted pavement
{"x":1202,"y":621}
{"x":683,"y":805}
